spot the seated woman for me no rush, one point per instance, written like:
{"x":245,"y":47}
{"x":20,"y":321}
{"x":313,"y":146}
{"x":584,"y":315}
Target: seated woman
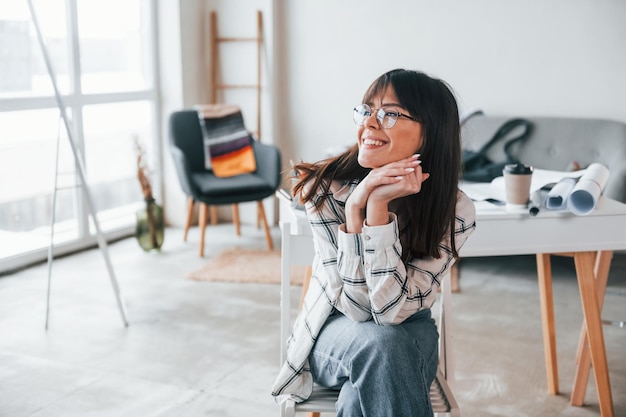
{"x":387,"y":219}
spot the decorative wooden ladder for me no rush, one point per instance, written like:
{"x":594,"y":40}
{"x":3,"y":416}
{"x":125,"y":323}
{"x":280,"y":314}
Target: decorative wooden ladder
{"x":217,"y":87}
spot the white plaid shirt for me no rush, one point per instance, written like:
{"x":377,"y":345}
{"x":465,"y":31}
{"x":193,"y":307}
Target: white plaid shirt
{"x":362,"y":276}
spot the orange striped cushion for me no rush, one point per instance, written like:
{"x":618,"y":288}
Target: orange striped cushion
{"x":227,"y":143}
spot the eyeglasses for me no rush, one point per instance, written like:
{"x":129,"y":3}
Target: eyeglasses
{"x":386,"y":118}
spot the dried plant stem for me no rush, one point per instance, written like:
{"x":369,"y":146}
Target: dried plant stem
{"x":143,"y":172}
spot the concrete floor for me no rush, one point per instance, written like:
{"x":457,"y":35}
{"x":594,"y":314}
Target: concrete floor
{"x":211,"y":349}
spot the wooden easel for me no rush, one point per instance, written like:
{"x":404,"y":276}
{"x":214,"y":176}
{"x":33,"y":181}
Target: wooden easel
{"x":80,"y":169}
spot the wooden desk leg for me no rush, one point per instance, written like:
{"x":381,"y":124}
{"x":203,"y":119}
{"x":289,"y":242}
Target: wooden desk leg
{"x":544,"y":274}
{"x":584,"y":262}
{"x":583,"y":359}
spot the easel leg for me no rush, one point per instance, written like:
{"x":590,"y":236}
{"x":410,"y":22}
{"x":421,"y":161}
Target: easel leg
{"x":52,"y":221}
{"x":80,"y":166}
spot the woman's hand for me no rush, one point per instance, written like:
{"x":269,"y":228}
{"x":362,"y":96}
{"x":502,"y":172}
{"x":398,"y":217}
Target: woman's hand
{"x":407,"y":182}
{"x":378,"y":188}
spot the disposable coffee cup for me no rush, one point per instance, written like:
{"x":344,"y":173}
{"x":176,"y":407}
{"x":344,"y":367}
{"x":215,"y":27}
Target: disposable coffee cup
{"x":517,"y":179}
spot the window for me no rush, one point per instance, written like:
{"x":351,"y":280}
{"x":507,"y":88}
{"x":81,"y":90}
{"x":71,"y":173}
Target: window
{"x":102,"y":57}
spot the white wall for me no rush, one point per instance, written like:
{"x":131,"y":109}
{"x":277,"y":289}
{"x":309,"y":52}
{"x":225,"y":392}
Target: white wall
{"x":180,"y":79}
{"x":530,"y":57}
{"x":510,"y":57}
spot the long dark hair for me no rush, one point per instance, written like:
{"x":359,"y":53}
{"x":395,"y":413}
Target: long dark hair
{"x":425,"y":217}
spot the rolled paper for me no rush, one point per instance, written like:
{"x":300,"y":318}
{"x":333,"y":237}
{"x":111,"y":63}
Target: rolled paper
{"x":585,"y":195}
{"x":557,"y":197}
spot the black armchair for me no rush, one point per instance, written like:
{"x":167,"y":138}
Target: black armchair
{"x":201,"y":185}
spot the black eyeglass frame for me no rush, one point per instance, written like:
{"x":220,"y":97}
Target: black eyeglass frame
{"x":381,"y":113}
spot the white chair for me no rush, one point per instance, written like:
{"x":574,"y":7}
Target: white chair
{"x":297,"y":249}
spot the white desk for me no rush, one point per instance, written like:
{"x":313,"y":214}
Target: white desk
{"x":590,"y":239}
{"x":502,"y":232}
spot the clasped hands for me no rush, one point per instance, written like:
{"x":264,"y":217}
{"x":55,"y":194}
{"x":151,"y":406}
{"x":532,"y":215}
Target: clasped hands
{"x":370,"y":199}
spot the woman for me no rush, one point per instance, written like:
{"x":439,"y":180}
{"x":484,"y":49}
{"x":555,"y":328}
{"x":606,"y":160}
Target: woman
{"x":387,"y":219}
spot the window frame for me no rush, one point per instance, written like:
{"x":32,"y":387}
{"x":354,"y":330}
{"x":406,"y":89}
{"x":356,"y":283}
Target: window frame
{"x":74,"y":102}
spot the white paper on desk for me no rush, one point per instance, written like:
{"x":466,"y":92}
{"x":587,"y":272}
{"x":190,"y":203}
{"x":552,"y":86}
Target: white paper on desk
{"x":477,"y":191}
{"x":558,"y":195}
{"x":540,"y":178}
{"x":581,"y":200}
{"x":585,"y":194}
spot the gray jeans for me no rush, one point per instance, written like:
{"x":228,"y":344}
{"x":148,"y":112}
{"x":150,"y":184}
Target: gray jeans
{"x":381,"y":371}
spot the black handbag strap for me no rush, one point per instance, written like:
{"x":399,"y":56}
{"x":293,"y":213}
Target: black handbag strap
{"x":503,"y":131}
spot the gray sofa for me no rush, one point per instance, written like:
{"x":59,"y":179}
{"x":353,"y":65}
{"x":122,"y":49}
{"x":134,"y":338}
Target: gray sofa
{"x":555,"y":143}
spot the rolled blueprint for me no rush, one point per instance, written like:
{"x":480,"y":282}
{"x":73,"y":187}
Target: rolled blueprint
{"x":557,"y":197}
{"x":584,"y":196}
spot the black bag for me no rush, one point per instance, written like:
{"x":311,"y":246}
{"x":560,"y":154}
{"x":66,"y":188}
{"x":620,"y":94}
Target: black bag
{"x":478,"y":167}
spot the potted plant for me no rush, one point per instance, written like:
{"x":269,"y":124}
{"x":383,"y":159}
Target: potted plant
{"x":150,"y":229}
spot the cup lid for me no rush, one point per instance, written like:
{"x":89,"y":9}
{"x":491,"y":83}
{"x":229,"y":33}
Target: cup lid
{"x":517,"y":169}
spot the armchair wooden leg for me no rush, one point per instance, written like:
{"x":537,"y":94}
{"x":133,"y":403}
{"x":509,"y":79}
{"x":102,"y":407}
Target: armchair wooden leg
{"x":268,"y":236}
{"x":190,"y":204}
{"x":213,"y":213}
{"x":236,"y":219}
{"x":202,"y":224}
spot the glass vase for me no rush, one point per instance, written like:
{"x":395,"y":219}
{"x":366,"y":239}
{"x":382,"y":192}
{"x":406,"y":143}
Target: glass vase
{"x":150,"y":228}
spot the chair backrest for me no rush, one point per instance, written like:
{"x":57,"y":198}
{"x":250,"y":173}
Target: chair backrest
{"x":186,"y":134}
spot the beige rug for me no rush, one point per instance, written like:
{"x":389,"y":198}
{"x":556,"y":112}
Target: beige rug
{"x":246,"y":265}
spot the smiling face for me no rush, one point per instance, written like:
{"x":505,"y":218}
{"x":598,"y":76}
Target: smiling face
{"x":378,"y":146}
